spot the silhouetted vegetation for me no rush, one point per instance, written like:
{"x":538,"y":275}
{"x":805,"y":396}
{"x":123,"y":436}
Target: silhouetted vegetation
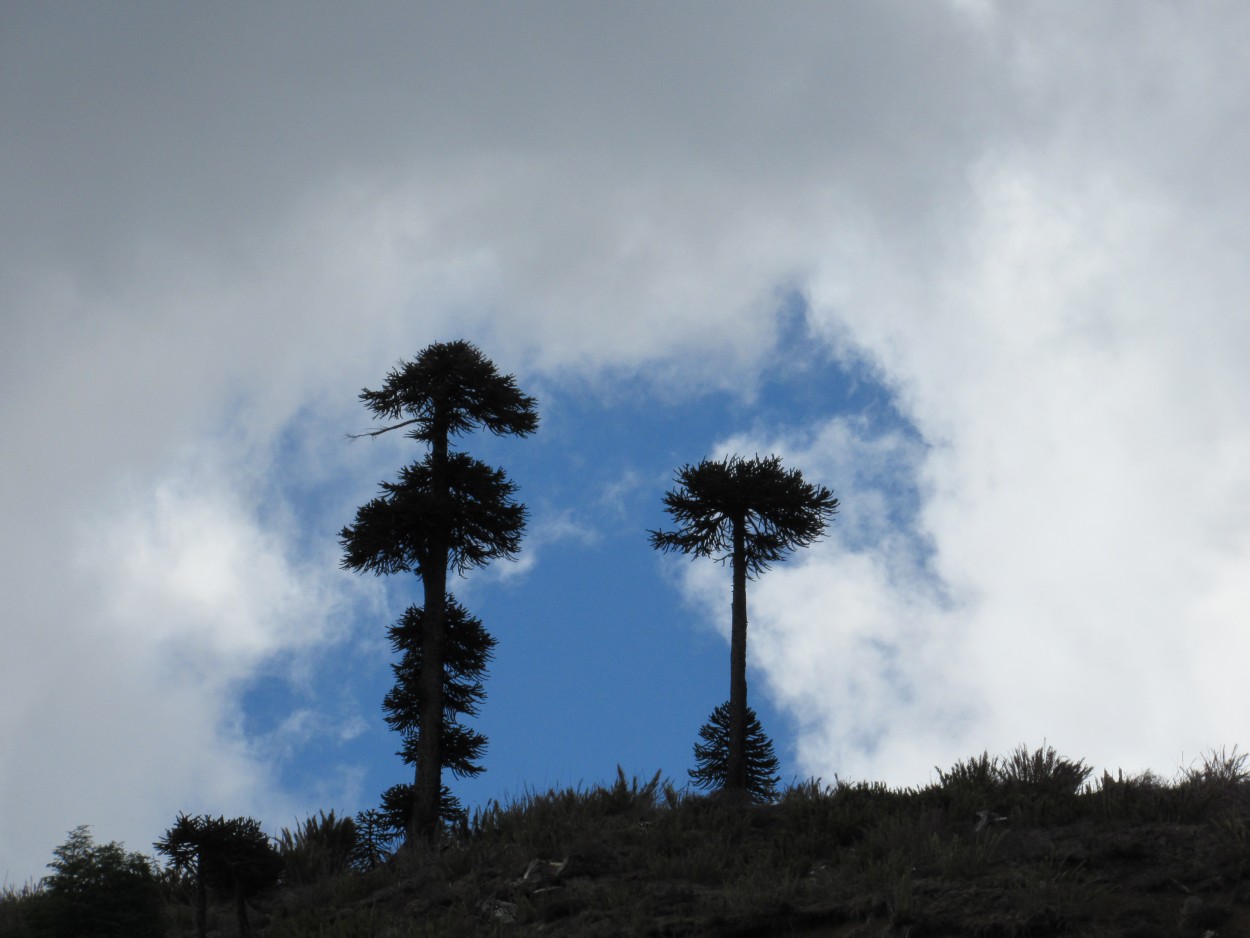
{"x":93,"y":890}
{"x":751,"y":512}
{"x":448,"y":511}
{"x":397,"y":807}
{"x":232,"y":857}
{"x":1027,"y":845}
{"x":323,"y":847}
{"x":467,"y":648}
{"x":712,"y":756}
{"x":374,"y":837}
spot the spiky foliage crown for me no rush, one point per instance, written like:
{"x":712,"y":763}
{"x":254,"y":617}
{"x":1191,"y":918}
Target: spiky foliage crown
{"x":774,"y":510}
{"x":467,"y":648}
{"x":712,"y":756}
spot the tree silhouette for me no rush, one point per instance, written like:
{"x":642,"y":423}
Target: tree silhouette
{"x":448,"y":511}
{"x":234,"y":857}
{"x":396,"y":809}
{"x":467,"y":647}
{"x":751,"y":512}
{"x":99,"y":890}
{"x":712,"y":756}
{"x":375,"y":836}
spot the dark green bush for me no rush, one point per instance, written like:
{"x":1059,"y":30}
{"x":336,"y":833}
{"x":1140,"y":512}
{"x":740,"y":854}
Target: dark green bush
{"x":20,"y":910}
{"x":1221,"y":768}
{"x":1134,"y":798}
{"x":1042,"y":786}
{"x":1038,"y":786}
{"x":626,"y":796}
{"x":1220,"y":785}
{"x":969,"y":787}
{"x":98,"y":891}
{"x":1043,"y":771}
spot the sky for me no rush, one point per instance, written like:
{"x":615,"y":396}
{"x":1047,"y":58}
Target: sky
{"x":980,"y":268}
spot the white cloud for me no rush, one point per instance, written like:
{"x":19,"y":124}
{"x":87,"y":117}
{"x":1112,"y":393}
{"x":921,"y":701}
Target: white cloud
{"x":190,"y":569}
{"x":1083,"y":496}
{"x":1073,"y":357}
{"x":133,"y":663}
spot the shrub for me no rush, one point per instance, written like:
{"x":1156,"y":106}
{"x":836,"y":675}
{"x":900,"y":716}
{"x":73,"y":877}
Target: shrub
{"x":1033,"y":786}
{"x":1221,"y":769}
{"x":626,"y":796}
{"x":1042,"y":786}
{"x":1043,"y":771}
{"x":18,"y":909}
{"x":1143,"y":797}
{"x":98,"y":890}
{"x":979,"y":772}
{"x":322,"y":847}
{"x":1221,"y":782}
{"x":971,"y":786}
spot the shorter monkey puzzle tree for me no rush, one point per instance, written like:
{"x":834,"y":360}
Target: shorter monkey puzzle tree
{"x":751,"y":512}
{"x":712,"y":757}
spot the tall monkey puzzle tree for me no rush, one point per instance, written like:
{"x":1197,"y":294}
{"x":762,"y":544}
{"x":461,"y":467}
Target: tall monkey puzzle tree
{"x":751,"y":512}
{"x":448,"y":511}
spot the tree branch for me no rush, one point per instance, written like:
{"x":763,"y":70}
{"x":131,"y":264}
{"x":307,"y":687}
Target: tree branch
{"x":371,"y":433}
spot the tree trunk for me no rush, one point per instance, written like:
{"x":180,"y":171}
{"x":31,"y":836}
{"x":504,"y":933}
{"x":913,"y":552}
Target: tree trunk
{"x":240,"y":907}
{"x":201,"y":899}
{"x":428,"y":784}
{"x":736,"y":763}
{"x":427,"y":788}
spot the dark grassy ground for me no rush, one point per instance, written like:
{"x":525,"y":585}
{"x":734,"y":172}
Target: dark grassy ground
{"x":1124,"y":857}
